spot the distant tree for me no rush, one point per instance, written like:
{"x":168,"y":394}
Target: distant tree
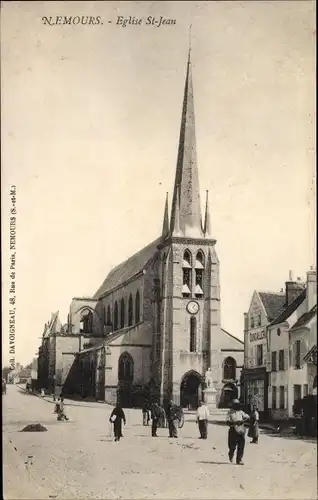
{"x":29,"y":366}
{"x":5,"y":371}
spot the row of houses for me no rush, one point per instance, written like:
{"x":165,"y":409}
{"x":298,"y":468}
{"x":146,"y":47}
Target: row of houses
{"x":280,"y":347}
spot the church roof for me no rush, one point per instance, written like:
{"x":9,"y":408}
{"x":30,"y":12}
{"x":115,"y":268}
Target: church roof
{"x":129,"y":268}
{"x":231,"y":342}
{"x":54,"y":325}
{"x":273,"y":303}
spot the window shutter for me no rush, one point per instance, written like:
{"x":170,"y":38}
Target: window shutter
{"x":303,"y":351}
{"x":285,"y":360}
{"x":293,"y":354}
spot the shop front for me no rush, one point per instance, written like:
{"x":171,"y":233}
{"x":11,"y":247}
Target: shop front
{"x":254,"y":383}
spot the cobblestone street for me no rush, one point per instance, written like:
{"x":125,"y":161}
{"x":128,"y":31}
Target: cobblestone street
{"x":79,"y":459}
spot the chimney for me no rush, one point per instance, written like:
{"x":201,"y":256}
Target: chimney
{"x":311,"y":288}
{"x":293,"y":289}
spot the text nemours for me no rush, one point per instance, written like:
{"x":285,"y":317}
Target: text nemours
{"x":120,"y":21}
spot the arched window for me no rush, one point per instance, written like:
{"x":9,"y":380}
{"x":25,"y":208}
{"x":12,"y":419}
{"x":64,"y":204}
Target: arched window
{"x":116,"y":316}
{"x":125,"y":368}
{"x":187,"y":274}
{"x":130,"y":310}
{"x":193,"y":334}
{"x":122,"y":313}
{"x":229,"y":369}
{"x":137,"y":308}
{"x":109,"y":319}
{"x":199,"y":270}
{"x":86,"y":322}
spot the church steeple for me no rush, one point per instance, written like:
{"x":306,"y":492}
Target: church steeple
{"x":207,"y":220}
{"x":165,"y":225}
{"x":187,"y":176}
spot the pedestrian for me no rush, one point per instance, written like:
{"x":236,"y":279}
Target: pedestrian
{"x":61,"y":415}
{"x":236,"y":438}
{"x":42,"y":393}
{"x":116,"y":417}
{"x":253,"y":431}
{"x":202,"y":419}
{"x":145,"y":413}
{"x":172,"y":414}
{"x":56,"y":406}
{"x":155,"y":417}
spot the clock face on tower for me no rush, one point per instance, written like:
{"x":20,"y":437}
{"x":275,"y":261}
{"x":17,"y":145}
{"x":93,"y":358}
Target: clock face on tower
{"x":193,"y":307}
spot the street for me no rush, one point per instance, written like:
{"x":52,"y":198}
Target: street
{"x":79,"y":458}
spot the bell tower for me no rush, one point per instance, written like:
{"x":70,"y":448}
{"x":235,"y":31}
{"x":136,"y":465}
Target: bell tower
{"x":188,"y":275}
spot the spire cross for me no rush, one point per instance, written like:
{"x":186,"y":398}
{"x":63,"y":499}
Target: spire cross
{"x":190,"y":37}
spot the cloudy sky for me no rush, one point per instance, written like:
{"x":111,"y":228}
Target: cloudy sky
{"x":90,"y":126}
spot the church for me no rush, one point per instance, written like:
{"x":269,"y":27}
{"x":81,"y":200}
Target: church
{"x":153,"y":328}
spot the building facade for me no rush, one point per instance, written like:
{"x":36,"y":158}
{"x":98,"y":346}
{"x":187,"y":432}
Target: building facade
{"x":154,"y":325}
{"x":264,"y":307}
{"x":290,"y":337}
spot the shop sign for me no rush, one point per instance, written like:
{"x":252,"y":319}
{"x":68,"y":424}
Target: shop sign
{"x":259,"y":335}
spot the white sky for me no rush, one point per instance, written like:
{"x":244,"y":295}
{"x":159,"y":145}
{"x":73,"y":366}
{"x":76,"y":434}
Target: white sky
{"x":90,"y":127}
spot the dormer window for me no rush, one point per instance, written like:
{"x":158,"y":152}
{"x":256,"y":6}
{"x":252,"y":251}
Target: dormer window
{"x":187,"y":274}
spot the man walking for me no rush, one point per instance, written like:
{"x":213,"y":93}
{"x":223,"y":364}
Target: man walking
{"x":173,"y":419}
{"x":202,"y":419}
{"x":155,"y":417}
{"x":236,"y":419}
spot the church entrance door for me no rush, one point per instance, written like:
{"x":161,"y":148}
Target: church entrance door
{"x":125,"y":380}
{"x":190,"y":390}
{"x":229,"y":392}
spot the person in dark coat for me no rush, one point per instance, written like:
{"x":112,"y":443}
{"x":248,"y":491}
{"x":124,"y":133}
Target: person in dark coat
{"x":116,"y":417}
{"x":155,"y":417}
{"x":172,"y":414}
{"x":236,"y":419}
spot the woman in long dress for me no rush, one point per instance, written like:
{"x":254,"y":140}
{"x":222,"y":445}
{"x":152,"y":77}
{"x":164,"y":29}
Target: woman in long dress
{"x":117,"y":416}
{"x":253,"y":431}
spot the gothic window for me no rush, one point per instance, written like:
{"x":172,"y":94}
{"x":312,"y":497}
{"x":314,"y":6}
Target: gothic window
{"x":116,"y":315}
{"x":125,"y":368}
{"x":130,"y":310}
{"x":187,"y":274}
{"x":193,"y":334}
{"x":86,"y":322}
{"x":137,"y":308}
{"x":229,"y":369}
{"x":108,"y":320}
{"x":122,"y":313}
{"x":199,"y":270}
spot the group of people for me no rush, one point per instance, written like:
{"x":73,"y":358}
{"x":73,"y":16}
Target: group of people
{"x":236,"y":420}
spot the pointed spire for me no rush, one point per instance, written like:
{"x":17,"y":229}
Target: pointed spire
{"x":175,"y":229}
{"x":187,"y":176}
{"x":165,"y":226}
{"x":207,"y":220}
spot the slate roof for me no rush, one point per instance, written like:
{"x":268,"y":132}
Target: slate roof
{"x":54,"y":325}
{"x":305,"y":318}
{"x":129,"y":268}
{"x":287,"y":311}
{"x":311,"y":354}
{"x":273,"y":303}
